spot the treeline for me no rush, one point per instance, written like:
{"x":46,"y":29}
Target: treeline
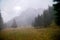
{"x":53,"y":13}
{"x":45,"y":19}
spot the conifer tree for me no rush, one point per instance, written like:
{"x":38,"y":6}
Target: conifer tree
{"x":14,"y":25}
{"x":57,"y":14}
{"x":1,"y":22}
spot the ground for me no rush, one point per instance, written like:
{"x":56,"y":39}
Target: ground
{"x":28,"y":33}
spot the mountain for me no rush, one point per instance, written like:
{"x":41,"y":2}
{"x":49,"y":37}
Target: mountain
{"x":26,"y":17}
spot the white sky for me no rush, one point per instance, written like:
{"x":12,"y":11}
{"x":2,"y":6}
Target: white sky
{"x":12,"y":8}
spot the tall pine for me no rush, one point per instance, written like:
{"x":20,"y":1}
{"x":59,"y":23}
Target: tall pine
{"x":57,"y":14}
{"x":1,"y":22}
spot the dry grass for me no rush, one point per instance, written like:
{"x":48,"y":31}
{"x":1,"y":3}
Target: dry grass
{"x":28,"y":34}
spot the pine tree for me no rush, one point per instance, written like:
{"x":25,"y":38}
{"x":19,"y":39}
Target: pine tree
{"x":45,"y":18}
{"x":14,"y":25}
{"x":57,"y":14}
{"x":38,"y":22}
{"x":1,"y":22}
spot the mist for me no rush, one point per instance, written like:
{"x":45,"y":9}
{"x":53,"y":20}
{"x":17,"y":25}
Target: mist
{"x":23,"y":11}
{"x":9,"y":7}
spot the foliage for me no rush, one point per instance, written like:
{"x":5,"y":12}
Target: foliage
{"x":57,"y":14}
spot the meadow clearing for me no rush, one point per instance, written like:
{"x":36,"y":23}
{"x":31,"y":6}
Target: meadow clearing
{"x":28,"y":33}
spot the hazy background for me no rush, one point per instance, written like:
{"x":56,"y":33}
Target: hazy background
{"x":13,"y":8}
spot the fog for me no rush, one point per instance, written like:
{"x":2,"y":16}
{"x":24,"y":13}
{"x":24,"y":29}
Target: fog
{"x":12,"y":8}
{"x":23,"y":11}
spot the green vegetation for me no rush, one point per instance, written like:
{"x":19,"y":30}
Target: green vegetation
{"x":57,"y":14}
{"x":29,"y":34}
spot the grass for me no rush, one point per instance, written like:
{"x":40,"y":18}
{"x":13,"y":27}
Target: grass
{"x":28,"y":34}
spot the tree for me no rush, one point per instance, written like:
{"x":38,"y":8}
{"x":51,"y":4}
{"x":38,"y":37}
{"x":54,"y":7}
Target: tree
{"x":35,"y":23}
{"x":48,"y":16}
{"x":14,"y":25}
{"x":38,"y":21}
{"x":57,"y":14}
{"x":1,"y":22}
{"x":45,"y":19}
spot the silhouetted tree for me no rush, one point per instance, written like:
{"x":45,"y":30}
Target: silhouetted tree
{"x":1,"y":22}
{"x":57,"y":14}
{"x":14,"y":25}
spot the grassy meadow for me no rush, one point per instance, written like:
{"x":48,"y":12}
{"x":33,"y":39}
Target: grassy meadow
{"x":28,"y":34}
